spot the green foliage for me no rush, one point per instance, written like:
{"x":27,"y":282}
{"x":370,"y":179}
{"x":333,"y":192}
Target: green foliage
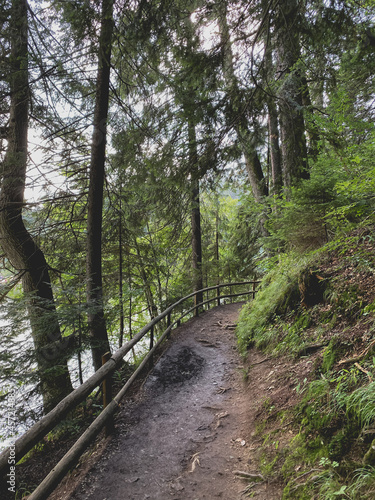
{"x":331,"y":354}
{"x":363,"y":485}
{"x":278,"y":294}
{"x":360,"y":405}
{"x":298,"y":223}
{"x":315,"y":408}
{"x":245,"y":236}
{"x":337,"y":196}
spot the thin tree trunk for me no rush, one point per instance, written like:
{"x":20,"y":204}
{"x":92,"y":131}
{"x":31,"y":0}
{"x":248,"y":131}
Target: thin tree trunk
{"x":18,"y":245}
{"x":196,"y":234}
{"x":121,"y":278}
{"x":311,"y":127}
{"x":152,"y":308}
{"x":196,"y":239}
{"x":217,"y":249}
{"x":156,"y":265}
{"x":96,"y":319}
{"x":273,"y":130}
{"x":275,"y":155}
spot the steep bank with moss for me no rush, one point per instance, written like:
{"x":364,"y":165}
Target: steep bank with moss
{"x":319,"y":309}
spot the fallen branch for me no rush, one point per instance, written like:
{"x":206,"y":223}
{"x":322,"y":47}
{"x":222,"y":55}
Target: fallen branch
{"x":250,"y":476}
{"x":305,"y":474}
{"x":260,"y":362}
{"x":287,"y":424}
{"x":359,"y":356}
{"x":311,"y":348}
{"x":364,"y":371}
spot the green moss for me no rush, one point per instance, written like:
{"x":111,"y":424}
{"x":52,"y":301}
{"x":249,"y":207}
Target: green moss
{"x":260,"y":427}
{"x":267,"y":465}
{"x":279,"y":293}
{"x":369,"y":458}
{"x":341,"y":442}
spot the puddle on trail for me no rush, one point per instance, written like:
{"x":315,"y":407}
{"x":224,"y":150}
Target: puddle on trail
{"x":176,"y":369}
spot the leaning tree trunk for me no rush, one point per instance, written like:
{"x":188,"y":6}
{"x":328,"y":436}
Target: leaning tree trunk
{"x":96,"y":319}
{"x":240,"y":125}
{"x":246,"y":139}
{"x":18,"y":245}
{"x":290,"y":93}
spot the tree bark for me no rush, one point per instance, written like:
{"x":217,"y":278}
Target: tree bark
{"x":292,"y":126}
{"x":121,"y":276}
{"x":273,"y":129}
{"x":196,"y":234}
{"x":311,"y":127}
{"x":252,"y":162}
{"x":18,"y":244}
{"x":275,"y":155}
{"x":152,"y":307}
{"x":96,"y":319}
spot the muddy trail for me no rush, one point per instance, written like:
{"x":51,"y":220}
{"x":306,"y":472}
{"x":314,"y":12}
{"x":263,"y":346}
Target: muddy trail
{"x":190,"y":432}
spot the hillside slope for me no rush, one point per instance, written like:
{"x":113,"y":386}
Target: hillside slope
{"x":318,"y":311}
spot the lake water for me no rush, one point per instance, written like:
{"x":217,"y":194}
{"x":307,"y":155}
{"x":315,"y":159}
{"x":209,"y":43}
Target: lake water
{"x":22,"y":398}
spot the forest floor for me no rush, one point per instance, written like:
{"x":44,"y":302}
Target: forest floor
{"x":194,"y":429}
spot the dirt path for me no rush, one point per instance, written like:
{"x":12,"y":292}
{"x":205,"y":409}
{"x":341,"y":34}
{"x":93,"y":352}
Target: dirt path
{"x":190,"y":431}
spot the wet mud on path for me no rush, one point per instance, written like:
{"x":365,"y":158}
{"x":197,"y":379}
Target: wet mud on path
{"x":187,"y":434}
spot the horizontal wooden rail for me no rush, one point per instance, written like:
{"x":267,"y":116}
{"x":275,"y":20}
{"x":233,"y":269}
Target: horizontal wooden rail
{"x":41,"y":428}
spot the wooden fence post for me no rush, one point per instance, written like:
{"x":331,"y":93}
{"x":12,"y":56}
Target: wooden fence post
{"x":196,"y":304}
{"x":169,"y":323}
{"x":218,"y":294}
{"x":107,"y":395}
{"x":254,"y":286}
{"x":151,"y":362}
{"x":152,"y":337}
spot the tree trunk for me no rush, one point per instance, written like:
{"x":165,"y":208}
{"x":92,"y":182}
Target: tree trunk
{"x":17,"y":243}
{"x":253,"y":166}
{"x":152,"y":308}
{"x":121,"y":278}
{"x":196,"y":234}
{"x":292,"y":126}
{"x":96,"y":320}
{"x":217,"y":238}
{"x":273,"y":130}
{"x":311,"y":127}
{"x":196,"y":239}
{"x":275,"y":155}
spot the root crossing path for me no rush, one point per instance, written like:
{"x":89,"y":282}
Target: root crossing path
{"x":188,"y":434}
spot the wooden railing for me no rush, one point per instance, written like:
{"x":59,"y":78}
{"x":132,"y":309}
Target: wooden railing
{"x":103,"y":376}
